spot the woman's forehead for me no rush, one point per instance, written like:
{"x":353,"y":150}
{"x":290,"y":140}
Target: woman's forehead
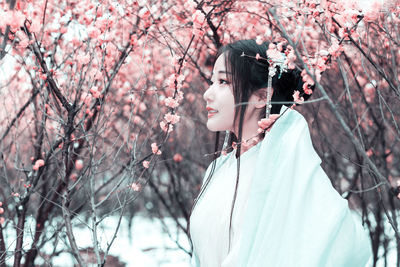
{"x":219,"y":66}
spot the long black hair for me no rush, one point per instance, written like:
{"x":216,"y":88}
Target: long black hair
{"x":247,"y":75}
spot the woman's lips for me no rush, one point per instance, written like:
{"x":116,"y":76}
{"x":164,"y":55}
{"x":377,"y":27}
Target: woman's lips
{"x":211,"y":112}
{"x":210,"y":115}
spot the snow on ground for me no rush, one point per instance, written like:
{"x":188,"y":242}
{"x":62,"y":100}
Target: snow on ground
{"x":149,"y":246}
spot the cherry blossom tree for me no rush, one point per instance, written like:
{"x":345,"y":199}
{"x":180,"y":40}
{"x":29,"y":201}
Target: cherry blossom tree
{"x":102,"y":108}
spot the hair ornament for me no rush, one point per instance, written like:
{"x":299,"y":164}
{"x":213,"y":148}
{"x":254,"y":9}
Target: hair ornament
{"x":225,"y":145}
{"x":275,"y":58}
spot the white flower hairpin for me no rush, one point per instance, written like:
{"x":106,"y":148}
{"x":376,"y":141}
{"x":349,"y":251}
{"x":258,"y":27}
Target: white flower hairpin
{"x":275,"y":59}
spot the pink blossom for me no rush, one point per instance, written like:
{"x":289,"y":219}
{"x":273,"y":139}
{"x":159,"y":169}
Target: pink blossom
{"x":35,"y":26}
{"x":273,"y":53}
{"x":155,"y":149}
{"x":198,"y":32}
{"x":142,"y":107}
{"x":190,"y":97}
{"x":259,"y":40}
{"x":290,"y":60}
{"x":93,"y":32}
{"x":172,"y":118}
{"x":63,"y":30}
{"x":198,"y":19}
{"x":166,"y":126}
{"x":146,"y":164}
{"x":15,"y":194}
{"x":95,"y":93}
{"x":177,"y":157}
{"x":343,"y":33}
{"x":84,"y":60}
{"x":171,"y":81}
{"x":135,"y":186}
{"x":180,"y":78}
{"x":133,"y":40}
{"x":307,"y":78}
{"x":297,"y":98}
{"x":137,"y":120}
{"x":321,"y":64}
{"x":1,"y":203}
{"x":372,"y":13}
{"x":180,"y":96}
{"x":335,"y":49}
{"x":307,"y":90}
{"x":73,"y":177}
{"x":15,"y":20}
{"x":2,"y":220}
{"x":1,"y":210}
{"x":389,"y":159}
{"x":23,"y":43}
{"x":79,"y":164}
{"x":39,"y":163}
{"x":170,"y":102}
{"x":266,"y":123}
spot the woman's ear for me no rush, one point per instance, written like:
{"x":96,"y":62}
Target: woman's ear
{"x":260,"y":97}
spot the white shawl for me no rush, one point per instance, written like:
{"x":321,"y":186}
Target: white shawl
{"x":294,"y":216}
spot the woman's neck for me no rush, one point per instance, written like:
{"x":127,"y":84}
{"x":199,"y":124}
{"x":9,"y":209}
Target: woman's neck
{"x":250,"y":135}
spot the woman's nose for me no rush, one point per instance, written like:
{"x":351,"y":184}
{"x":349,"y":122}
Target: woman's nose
{"x":208,"y":94}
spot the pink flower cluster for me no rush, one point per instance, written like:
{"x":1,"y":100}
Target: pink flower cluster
{"x":336,"y":49}
{"x":308,"y":81}
{"x":136,"y":187}
{"x":95,"y":92}
{"x":170,"y":119}
{"x":14,"y":18}
{"x":171,"y":102}
{"x":146,"y":164}
{"x":290,"y":58}
{"x":198,"y":20}
{"x":372,"y":14}
{"x":297,"y":98}
{"x":266,"y":123}
{"x":1,"y":212}
{"x":39,"y":163}
{"x":155,"y":149}
{"x":177,"y":157}
{"x":175,"y":78}
{"x":79,"y":164}
{"x":274,"y":53}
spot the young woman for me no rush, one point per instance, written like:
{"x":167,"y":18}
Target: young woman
{"x":267,"y":202}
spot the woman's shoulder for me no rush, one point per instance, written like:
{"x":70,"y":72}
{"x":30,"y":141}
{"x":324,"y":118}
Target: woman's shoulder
{"x":291,"y":125}
{"x":218,"y":162}
{"x":293,"y":134}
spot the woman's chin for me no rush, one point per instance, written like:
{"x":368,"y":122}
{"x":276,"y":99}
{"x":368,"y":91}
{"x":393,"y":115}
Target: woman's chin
{"x":212,"y":127}
{"x":215,"y":127}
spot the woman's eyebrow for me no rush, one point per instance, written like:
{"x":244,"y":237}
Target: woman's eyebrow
{"x":224,"y":71}
{"x":221,"y":72}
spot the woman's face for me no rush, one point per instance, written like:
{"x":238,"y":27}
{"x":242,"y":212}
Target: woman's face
{"x":220,"y":99}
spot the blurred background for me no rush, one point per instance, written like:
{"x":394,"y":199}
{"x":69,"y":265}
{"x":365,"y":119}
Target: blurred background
{"x":103,"y":144}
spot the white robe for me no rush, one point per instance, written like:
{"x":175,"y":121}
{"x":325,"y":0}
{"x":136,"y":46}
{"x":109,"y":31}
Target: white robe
{"x":210,"y":218}
{"x":293,"y":215}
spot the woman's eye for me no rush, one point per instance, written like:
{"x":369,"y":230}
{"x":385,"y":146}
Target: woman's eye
{"x":222,"y":81}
